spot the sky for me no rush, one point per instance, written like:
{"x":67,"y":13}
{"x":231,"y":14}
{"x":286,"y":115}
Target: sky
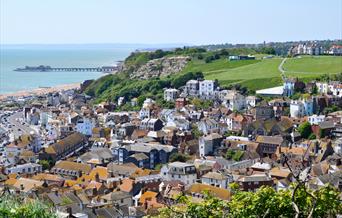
{"x":168,"y":21}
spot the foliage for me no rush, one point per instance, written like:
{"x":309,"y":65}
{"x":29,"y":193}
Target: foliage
{"x":17,"y":207}
{"x":305,"y":130}
{"x":178,"y":157}
{"x":202,"y":104}
{"x":331,"y":109}
{"x":111,"y":87}
{"x":312,"y":136}
{"x":234,"y":154}
{"x":195,"y":132}
{"x":45,"y":164}
{"x":265,"y":202}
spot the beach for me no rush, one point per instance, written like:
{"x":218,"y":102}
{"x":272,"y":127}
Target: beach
{"x":41,"y":91}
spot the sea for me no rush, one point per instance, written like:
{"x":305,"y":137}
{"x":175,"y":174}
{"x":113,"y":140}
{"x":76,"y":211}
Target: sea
{"x":89,"y":55}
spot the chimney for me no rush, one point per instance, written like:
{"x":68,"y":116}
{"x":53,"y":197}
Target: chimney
{"x":22,"y":187}
{"x":69,"y":211}
{"x":97,"y":177}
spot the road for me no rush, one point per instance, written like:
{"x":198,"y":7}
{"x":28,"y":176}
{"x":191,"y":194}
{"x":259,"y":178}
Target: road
{"x":281,"y":69}
{"x":16,"y":121}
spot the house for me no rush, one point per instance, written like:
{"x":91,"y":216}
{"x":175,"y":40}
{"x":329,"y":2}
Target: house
{"x":121,"y":170}
{"x":269,"y":127}
{"x":268,"y":145}
{"x":253,"y":182}
{"x":241,"y":57}
{"x":64,"y":147}
{"x":289,"y":86}
{"x":208,"y":144}
{"x":156,"y":153}
{"x":150,"y":200}
{"x":316,"y":119}
{"x":184,"y":172}
{"x":216,"y":179}
{"x":170,"y":94}
{"x":119,"y":198}
{"x":153,"y":124}
{"x":207,"y":125}
{"x":323,"y":129}
{"x":28,"y":168}
{"x":207,"y":89}
{"x":236,"y":122}
{"x":322,"y":87}
{"x":27,"y":185}
{"x":180,"y":103}
{"x":301,"y":108}
{"x":251,"y":101}
{"x":192,"y":88}
{"x":100,"y":156}
{"x":263,"y":112}
{"x":72,"y":169}
{"x":234,"y":101}
{"x":85,"y":126}
{"x":196,"y":192}
{"x":335,"y":50}
{"x":139,"y":159}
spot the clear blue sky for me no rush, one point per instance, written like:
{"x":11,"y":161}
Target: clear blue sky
{"x":168,"y":21}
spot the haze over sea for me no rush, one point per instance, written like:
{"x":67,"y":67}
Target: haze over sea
{"x":18,"y":56}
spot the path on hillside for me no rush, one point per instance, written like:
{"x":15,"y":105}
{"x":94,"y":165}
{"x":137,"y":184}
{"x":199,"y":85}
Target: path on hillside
{"x":281,"y":69}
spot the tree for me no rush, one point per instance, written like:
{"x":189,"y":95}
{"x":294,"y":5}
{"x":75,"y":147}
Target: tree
{"x":265,"y":202}
{"x":17,"y":206}
{"x":305,"y":130}
{"x":312,"y":136}
{"x":178,"y":157}
{"x":45,"y":164}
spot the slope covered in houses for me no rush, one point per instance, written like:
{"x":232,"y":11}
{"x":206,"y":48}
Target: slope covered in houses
{"x":96,"y":160}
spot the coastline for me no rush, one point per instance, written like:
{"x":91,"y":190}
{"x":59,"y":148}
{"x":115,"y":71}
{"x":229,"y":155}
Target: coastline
{"x":40,"y":91}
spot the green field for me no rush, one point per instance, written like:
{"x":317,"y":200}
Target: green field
{"x":313,"y":66}
{"x":254,"y":74}
{"x":259,"y":74}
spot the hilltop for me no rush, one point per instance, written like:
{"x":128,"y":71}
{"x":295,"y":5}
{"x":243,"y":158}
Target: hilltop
{"x":161,"y":67}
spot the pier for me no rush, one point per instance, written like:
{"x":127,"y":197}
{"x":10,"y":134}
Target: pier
{"x":42,"y":68}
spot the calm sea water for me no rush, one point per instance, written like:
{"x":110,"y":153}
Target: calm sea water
{"x":12,"y":57}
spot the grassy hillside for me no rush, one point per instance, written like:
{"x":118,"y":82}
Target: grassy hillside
{"x":259,"y":74}
{"x":312,"y":66}
{"x":249,"y":73}
{"x":253,"y":74}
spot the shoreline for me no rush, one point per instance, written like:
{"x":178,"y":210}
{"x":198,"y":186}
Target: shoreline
{"x":40,"y":91}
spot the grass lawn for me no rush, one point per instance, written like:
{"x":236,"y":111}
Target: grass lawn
{"x":254,"y":74}
{"x":313,"y":66}
{"x":260,"y":74}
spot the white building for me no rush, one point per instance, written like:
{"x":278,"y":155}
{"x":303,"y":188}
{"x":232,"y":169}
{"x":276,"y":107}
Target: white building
{"x":170,"y":94}
{"x":192,"y":87}
{"x":234,"y":101}
{"x":216,"y":179}
{"x":301,"y":108}
{"x":85,"y":126}
{"x":251,"y":101}
{"x":183,"y":172}
{"x":204,"y":148}
{"x":28,"y":168}
{"x":322,"y":87}
{"x":207,"y":88}
{"x":336,"y":90}
{"x":316,"y":119}
{"x":335,"y":50}
{"x":121,"y":101}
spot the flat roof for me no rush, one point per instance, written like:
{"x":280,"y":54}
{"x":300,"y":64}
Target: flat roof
{"x":279,"y":90}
